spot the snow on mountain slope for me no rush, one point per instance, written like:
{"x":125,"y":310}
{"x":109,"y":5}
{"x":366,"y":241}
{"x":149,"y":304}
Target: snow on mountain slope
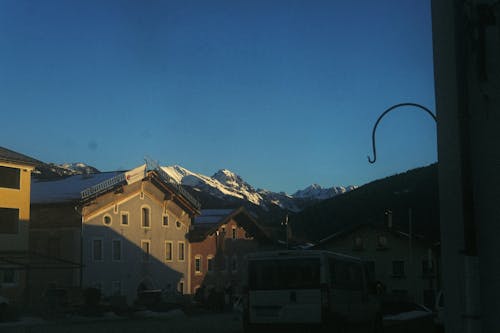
{"x":317,"y":192}
{"x":228,"y":187}
{"x":224,"y":184}
{"x":51,"y":170}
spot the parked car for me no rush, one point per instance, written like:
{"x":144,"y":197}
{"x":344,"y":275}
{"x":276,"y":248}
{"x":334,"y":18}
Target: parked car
{"x":406,"y":316}
{"x":308,"y":289}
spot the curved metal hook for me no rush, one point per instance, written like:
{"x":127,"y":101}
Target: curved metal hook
{"x":386,"y":112}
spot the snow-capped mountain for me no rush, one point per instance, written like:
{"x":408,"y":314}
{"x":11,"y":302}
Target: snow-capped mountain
{"x":222,"y":184}
{"x":315,"y":191}
{"x":225,"y":184}
{"x":78,"y":168}
{"x":52,"y":170}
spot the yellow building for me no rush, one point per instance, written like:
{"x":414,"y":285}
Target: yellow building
{"x":15,"y":185}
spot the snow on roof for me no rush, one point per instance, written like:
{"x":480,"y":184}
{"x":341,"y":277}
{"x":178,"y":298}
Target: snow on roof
{"x":212,"y":215}
{"x":67,"y":189}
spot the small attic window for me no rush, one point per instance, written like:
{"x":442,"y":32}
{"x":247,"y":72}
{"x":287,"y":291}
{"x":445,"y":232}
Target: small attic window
{"x":382,"y":242}
{"x":106,"y":220}
{"x":358,"y":243}
{"x":178,"y":224}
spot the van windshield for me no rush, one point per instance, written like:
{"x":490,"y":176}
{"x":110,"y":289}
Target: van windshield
{"x":300,"y":273}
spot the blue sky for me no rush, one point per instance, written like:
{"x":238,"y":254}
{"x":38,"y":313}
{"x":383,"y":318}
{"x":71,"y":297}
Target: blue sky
{"x":284,"y":93}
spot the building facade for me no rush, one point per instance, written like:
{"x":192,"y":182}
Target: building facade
{"x":15,"y":188}
{"x":127,"y":230}
{"x":404,"y":265}
{"x":220,"y":240}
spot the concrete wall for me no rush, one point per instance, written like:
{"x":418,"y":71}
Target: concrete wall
{"x":467,"y":77}
{"x":20,"y":199}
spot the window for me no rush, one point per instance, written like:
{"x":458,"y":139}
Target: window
{"x":429,"y":298}
{"x":97,"y":285}
{"x":346,"y":275}
{"x":116,"y":288}
{"x":145,"y":217}
{"x":226,"y":264}
{"x":427,"y":268}
{"x":165,"y":220}
{"x":197,"y":264}
{"x":54,"y":247}
{"x":370,"y":270}
{"x":106,"y":220}
{"x":398,"y":268}
{"x":210,"y":264}
{"x":168,"y":251}
{"x":382,"y":242}
{"x":181,"y":251}
{"x":124,"y":218}
{"x":223,"y":230}
{"x":116,"y":250}
{"x":97,"y":250}
{"x":146,"y":248}
{"x":178,"y":224}
{"x":234,"y":264}
{"x":8,"y":276}
{"x":296,"y":273}
{"x":181,"y":287}
{"x":10,"y":177}
{"x":9,"y":220}
{"x":233,"y":233}
{"x":400,"y":292}
{"x":358,"y":243}
{"x":115,"y":210}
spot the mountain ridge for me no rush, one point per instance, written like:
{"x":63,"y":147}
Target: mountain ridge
{"x":223,"y":185}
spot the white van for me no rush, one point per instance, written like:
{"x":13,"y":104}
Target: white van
{"x":306,"y":290}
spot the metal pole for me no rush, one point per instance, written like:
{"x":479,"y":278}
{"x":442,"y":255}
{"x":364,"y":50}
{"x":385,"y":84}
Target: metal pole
{"x":410,"y":236}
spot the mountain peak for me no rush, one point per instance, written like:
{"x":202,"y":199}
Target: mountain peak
{"x":52,"y":170}
{"x":228,"y":178}
{"x":315,"y":191}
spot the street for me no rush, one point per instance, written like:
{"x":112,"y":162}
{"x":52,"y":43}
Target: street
{"x":222,"y":323}
{"x":173,"y":322}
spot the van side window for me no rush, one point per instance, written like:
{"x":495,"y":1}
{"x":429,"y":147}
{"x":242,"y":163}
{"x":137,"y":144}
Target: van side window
{"x":356,"y":276}
{"x":346,"y":275}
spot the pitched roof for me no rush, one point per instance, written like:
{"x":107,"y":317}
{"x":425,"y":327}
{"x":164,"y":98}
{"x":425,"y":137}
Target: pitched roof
{"x":88,"y":186}
{"x":66,"y":189}
{"x":212,"y":216}
{"x":7,"y":155}
{"x":352,"y":228}
{"x":210,"y":219}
